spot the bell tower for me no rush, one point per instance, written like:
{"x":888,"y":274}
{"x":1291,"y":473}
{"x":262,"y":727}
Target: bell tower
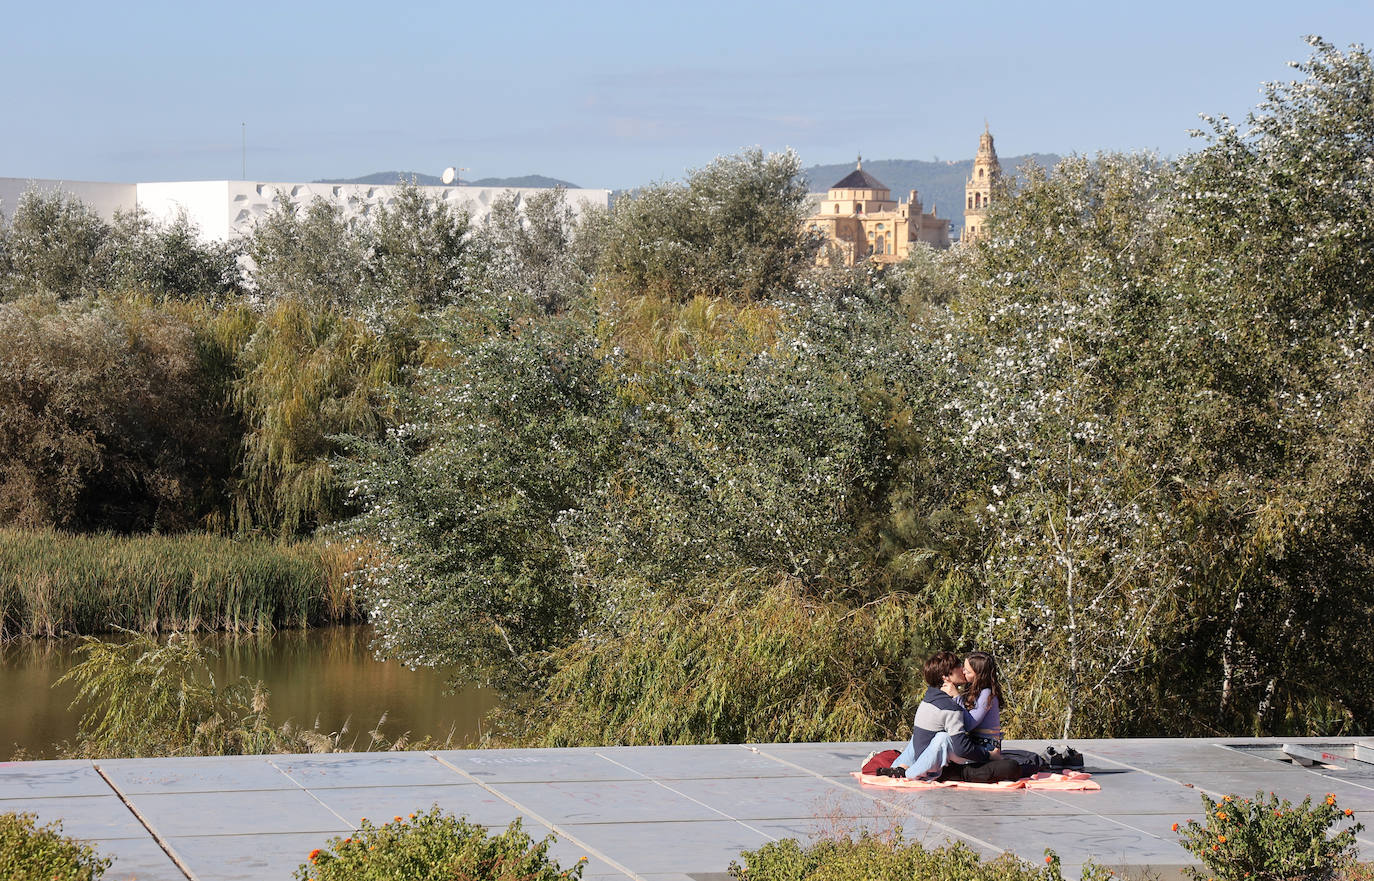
{"x":978,"y":191}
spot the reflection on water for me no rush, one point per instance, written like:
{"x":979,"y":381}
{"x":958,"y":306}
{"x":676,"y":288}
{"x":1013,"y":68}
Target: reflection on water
{"x":326,"y":674}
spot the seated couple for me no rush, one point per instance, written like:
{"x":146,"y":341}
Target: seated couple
{"x":957,"y":735}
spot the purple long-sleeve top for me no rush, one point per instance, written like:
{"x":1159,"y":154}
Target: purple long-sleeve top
{"x":985,"y":719}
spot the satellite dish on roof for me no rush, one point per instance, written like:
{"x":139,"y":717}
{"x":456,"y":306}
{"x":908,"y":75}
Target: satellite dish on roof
{"x":449,"y":176}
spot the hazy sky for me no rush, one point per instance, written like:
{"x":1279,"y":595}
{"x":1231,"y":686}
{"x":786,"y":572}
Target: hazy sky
{"x":619,"y":94}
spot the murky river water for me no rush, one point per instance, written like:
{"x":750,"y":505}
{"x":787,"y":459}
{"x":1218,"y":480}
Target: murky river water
{"x":327,"y":674}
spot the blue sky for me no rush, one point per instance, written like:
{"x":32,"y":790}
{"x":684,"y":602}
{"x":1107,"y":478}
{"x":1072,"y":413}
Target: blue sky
{"x":619,"y":94}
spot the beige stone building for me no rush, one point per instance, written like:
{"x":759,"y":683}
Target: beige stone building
{"x":978,"y":191}
{"x":861,"y":220}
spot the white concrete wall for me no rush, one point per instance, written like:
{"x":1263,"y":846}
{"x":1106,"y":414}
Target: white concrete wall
{"x":204,"y":202}
{"x":104,"y":198}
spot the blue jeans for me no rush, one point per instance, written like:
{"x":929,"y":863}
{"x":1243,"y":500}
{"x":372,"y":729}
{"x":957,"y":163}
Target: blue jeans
{"x":930,"y":761}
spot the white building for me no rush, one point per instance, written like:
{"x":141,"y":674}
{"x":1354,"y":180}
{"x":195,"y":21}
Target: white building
{"x":221,"y":209}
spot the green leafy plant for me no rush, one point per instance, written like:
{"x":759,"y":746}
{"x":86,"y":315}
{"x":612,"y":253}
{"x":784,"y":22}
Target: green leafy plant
{"x":29,"y":852}
{"x":887,"y":857}
{"x":1271,"y":839}
{"x":433,"y":845}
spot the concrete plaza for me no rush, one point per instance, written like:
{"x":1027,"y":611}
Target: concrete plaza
{"x":650,"y":813}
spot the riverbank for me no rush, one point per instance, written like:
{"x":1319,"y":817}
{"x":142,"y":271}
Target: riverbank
{"x":59,"y":583}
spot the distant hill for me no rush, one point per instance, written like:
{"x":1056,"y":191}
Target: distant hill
{"x":386,"y":178}
{"x":940,"y":184}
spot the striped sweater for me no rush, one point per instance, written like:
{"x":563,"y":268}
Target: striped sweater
{"x":940,"y":712}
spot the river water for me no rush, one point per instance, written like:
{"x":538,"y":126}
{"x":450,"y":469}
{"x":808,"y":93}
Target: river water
{"x":326,"y":675}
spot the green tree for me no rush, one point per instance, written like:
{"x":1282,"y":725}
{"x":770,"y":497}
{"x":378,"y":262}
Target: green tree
{"x":167,"y":260}
{"x":111,"y":417}
{"x":52,"y":243}
{"x":311,"y":253}
{"x":733,"y":230}
{"x":416,"y":252}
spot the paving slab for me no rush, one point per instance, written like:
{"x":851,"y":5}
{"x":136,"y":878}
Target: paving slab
{"x":351,"y":770}
{"x":237,"y":813}
{"x":137,"y":859}
{"x":264,"y":857}
{"x":695,"y":762}
{"x":607,"y":801}
{"x":509,"y":766}
{"x":747,"y":798}
{"x":50,"y":779}
{"x":382,"y":803}
{"x":687,"y":847}
{"x":648,"y":813}
{"x":214,"y":774}
{"x":82,"y":816}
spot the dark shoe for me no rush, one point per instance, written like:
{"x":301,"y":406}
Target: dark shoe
{"x":1073,"y":758}
{"x":1057,"y":759}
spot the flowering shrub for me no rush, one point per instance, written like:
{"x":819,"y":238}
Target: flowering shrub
{"x":883,"y":857}
{"x":31,"y":853}
{"x":434,"y":845}
{"x":1269,"y":839}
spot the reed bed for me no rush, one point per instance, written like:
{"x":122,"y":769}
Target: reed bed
{"x":55,"y":583}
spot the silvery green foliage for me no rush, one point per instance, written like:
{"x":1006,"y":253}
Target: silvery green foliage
{"x":1080,"y":543}
{"x":310,"y":253}
{"x":733,"y":230}
{"x":466,"y":494}
{"x":51,"y":244}
{"x":1162,"y":381}
{"x":536,"y":247}
{"x":167,"y":259}
{"x":766,"y":460}
{"x":1274,"y":243}
{"x":416,"y":250}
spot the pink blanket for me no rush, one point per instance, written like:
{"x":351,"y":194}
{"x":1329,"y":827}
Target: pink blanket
{"x":1061,"y":780}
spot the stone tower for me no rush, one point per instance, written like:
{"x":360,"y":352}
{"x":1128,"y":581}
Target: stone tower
{"x":978,"y":191}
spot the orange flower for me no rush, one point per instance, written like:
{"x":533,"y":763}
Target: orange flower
{"x":1216,"y":847}
{"x":1278,"y":813}
{"x":1221,"y":815}
{"x":1227,"y":798}
{"x":1048,"y":858}
{"x":1174,"y":827}
{"x":1349,"y":813}
{"x":1221,"y":839}
{"x":398,"y":819}
{"x":314,"y":854}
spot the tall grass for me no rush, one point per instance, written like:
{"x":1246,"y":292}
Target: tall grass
{"x":53,"y":582}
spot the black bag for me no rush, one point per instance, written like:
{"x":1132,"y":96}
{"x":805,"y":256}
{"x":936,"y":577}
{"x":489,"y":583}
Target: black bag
{"x":1031,"y":763}
{"x":991,"y":771}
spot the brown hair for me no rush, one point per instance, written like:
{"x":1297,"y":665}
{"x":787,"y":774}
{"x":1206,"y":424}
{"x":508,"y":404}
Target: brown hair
{"x":938,"y":666}
{"x":984,"y":676}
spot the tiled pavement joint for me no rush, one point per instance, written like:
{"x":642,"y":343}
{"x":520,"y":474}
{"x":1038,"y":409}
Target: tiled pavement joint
{"x":689,"y":798}
{"x":143,"y":821}
{"x":559,"y":830}
{"x":948,"y":830}
{"x":342,"y":819}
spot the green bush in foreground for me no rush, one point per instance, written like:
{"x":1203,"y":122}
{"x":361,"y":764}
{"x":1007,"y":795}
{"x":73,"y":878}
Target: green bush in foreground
{"x":29,"y":852}
{"x":434,"y":845}
{"x":889,"y":858}
{"x":1270,"y":839}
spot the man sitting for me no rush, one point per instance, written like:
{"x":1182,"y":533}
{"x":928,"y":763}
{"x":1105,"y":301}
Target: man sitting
{"x":937,"y":733}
